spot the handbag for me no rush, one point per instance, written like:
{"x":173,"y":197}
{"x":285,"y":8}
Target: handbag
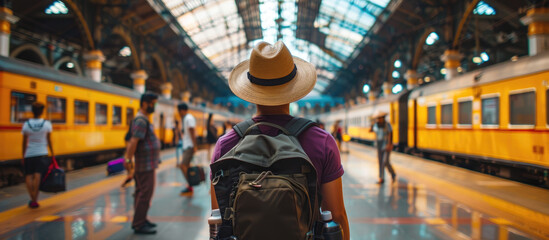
{"x":54,"y":179}
{"x":196,"y":175}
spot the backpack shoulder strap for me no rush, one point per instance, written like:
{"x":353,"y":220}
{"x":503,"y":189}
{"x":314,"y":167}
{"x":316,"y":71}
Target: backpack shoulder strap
{"x":241,"y":127}
{"x":35,"y":128}
{"x":296,"y":126}
{"x":146,"y":120}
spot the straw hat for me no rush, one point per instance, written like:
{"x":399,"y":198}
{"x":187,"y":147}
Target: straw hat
{"x":272,"y":77}
{"x":378,"y":114}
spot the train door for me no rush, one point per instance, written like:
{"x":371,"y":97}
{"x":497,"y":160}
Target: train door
{"x":162,"y":131}
{"x":414,"y":131}
{"x":403,"y":122}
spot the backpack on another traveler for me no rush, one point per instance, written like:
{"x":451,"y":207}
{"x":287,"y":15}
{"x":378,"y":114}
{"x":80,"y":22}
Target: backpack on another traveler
{"x":266,"y":186}
{"x":128,"y":135}
{"x":117,"y":165}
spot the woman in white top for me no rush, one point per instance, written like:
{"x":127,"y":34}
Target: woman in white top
{"x":36,"y":140}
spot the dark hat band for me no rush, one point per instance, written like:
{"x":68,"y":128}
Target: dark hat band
{"x":273,"y":82}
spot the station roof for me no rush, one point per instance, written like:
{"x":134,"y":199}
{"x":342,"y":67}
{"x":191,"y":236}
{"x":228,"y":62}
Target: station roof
{"x":325,"y":33}
{"x":352,"y":43}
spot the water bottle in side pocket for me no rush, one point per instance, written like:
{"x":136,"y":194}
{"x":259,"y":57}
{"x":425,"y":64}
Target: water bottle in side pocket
{"x":214,"y":221}
{"x":330,"y":229}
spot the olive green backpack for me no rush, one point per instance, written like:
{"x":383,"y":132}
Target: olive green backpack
{"x":266,"y":186}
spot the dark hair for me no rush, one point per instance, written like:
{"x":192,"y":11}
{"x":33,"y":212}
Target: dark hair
{"x":182,"y":106}
{"x":148,"y":97}
{"x":37,"y":109}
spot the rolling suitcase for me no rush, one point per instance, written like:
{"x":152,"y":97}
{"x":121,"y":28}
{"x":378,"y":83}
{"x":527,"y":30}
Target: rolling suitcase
{"x":115,"y":166}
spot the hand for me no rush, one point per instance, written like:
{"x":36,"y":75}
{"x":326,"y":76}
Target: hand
{"x":127,"y":165}
{"x":389,"y":147}
{"x":195,"y":149}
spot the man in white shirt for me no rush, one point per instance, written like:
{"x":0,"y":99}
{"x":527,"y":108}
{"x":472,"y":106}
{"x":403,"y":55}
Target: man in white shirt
{"x":190,"y":147}
{"x":36,"y":140}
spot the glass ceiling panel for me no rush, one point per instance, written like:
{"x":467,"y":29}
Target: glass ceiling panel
{"x":218,"y":30}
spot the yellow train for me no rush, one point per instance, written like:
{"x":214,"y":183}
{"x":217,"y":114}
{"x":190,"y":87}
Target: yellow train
{"x":493,"y":120}
{"x":89,"y":119}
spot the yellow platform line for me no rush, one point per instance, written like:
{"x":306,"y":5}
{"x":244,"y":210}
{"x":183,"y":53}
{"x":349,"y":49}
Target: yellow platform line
{"x":529,"y":220}
{"x":20,"y":216}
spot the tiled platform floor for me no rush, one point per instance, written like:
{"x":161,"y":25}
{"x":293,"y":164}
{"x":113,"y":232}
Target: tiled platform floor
{"x":421,"y":205}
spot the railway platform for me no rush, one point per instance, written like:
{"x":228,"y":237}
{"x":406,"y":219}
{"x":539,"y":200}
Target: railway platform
{"x":429,"y":200}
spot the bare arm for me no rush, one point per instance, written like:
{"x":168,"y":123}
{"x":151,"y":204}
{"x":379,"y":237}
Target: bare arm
{"x":49,"y":144}
{"x":193,"y":138}
{"x":131,"y":147}
{"x":332,"y":194}
{"x":215,"y":205}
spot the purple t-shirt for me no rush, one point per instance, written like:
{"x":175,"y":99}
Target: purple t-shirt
{"x":318,"y":144}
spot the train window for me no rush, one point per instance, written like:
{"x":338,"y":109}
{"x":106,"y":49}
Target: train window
{"x":57,"y":109}
{"x":432,"y":115}
{"x":20,"y":107}
{"x":522,"y":108}
{"x":129,"y":116}
{"x":490,"y":111}
{"x":465,"y":116}
{"x":116,"y":115}
{"x":100,"y":114}
{"x":446,"y":114}
{"x":81,"y":110}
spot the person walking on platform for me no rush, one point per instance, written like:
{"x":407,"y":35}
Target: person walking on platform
{"x":144,"y":146}
{"x":337,"y":133}
{"x":177,"y":141}
{"x":211,"y":134}
{"x":36,"y":141}
{"x":227,"y":125}
{"x":384,"y":144}
{"x":259,"y":81}
{"x":190,"y":147}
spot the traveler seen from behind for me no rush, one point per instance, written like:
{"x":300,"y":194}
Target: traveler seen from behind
{"x":36,"y":141}
{"x":211,"y":134}
{"x":337,"y":133}
{"x":272,"y":79}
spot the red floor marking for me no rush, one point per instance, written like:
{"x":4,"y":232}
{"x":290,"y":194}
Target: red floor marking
{"x":410,"y":220}
{"x":177,"y":219}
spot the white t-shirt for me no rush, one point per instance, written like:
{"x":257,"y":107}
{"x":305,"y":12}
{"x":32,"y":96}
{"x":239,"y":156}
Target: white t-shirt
{"x":188,"y":122}
{"x":37,"y":131}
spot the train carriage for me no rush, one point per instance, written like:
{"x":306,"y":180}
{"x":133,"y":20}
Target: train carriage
{"x":89,"y":119}
{"x":494,"y":120}
{"x":357,"y":120}
{"x":496,"y":116}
